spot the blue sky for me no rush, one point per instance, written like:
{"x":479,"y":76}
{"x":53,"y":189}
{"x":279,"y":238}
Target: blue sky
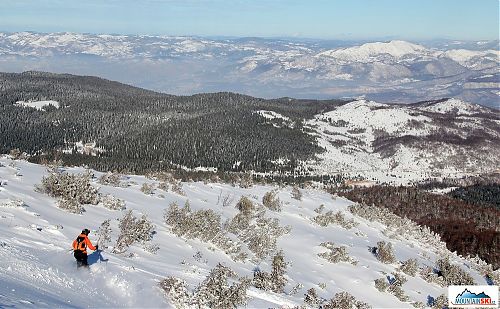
{"x":325,"y":19}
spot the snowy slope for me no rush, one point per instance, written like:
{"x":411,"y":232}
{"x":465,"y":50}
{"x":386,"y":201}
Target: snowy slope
{"x":38,"y":271}
{"x":404,"y":143}
{"x":455,"y":106}
{"x":370,"y":51}
{"x":470,"y":58}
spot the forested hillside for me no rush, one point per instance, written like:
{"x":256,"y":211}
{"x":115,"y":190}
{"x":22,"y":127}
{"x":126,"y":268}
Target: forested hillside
{"x":481,"y":194}
{"x":109,"y":126}
{"x":466,"y":228}
{"x":138,"y":130}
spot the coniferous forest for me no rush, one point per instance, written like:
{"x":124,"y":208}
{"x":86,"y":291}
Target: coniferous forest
{"x":140,"y":130}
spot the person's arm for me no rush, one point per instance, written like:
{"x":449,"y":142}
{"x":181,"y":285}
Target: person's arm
{"x":89,"y":244}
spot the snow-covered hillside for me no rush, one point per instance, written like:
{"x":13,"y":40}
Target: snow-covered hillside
{"x":370,"y":51}
{"x":405,"y":143}
{"x":37,"y":270}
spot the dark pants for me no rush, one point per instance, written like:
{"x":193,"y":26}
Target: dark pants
{"x":81,"y":258}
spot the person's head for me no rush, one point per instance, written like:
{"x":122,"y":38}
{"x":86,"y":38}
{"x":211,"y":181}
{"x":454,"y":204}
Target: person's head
{"x":86,"y":232}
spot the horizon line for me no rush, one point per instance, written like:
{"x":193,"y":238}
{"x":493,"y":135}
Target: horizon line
{"x":272,"y":37}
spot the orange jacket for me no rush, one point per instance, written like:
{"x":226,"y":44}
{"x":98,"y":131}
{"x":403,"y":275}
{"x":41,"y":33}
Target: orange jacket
{"x":82,"y":245}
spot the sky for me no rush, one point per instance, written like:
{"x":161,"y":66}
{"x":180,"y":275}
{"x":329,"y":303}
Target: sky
{"x":322,"y":19}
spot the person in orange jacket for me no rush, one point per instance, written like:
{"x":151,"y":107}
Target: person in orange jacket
{"x":80,"y":245}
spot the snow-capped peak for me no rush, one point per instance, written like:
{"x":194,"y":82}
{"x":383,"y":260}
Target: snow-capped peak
{"x":464,"y":56}
{"x":395,"y":49}
{"x":454,"y":106}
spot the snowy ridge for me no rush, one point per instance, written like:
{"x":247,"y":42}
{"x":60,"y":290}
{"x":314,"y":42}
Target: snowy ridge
{"x":390,"y":143}
{"x":37,"y":270}
{"x":467,"y":57}
{"x":455,"y":106}
{"x":370,"y":51}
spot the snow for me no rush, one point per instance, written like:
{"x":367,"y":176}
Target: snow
{"x":347,"y":135}
{"x":85,"y":148}
{"x":249,"y":66}
{"x":455,"y":106}
{"x":272,"y":115}
{"x":38,"y":271}
{"x":190,"y":46}
{"x":39,"y":105}
{"x":366,"y":52}
{"x":464,"y":56}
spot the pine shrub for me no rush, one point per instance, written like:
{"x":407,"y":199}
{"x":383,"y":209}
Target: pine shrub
{"x":296,"y":194}
{"x":274,"y":281}
{"x":227,"y":200}
{"x":215,"y":291}
{"x":104,"y":234}
{"x":261,"y":237}
{"x":72,"y":190}
{"x":177,"y":187}
{"x":410,"y":267}
{"x":385,"y":253}
{"x":246,"y":181}
{"x":243,"y":219}
{"x":334,"y":218}
{"x":396,"y":287}
{"x":311,"y":298}
{"x":439,"y":302}
{"x":344,"y":300}
{"x":299,"y":286}
{"x":151,"y":247}
{"x":13,"y":203}
{"x":336,"y":254}
{"x":148,"y":188}
{"x":133,"y":230}
{"x":70,"y":205}
{"x":271,"y":201}
{"x":163,"y":186}
{"x":453,"y":274}
{"x":428,"y":274}
{"x":393,"y":285}
{"x":113,"y":203}
{"x":320,"y":209}
{"x":202,"y":224}
{"x":113,"y":179}
{"x":245,"y":206}
{"x":177,"y":291}
{"x":239,"y":223}
{"x":16,"y":154}
{"x":381,"y":284}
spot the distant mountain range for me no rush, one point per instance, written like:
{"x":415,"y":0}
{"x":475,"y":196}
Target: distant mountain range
{"x":392,"y":71}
